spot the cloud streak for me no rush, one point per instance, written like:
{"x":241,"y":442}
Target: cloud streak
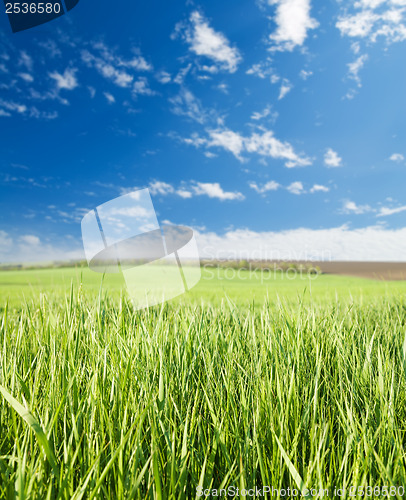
{"x":262,"y":143}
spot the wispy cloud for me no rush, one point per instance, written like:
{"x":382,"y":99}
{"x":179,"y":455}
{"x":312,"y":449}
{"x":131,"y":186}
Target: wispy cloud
{"x":355,"y":67}
{"x":110,"y":98}
{"x":262,"y":69}
{"x":26,"y":77}
{"x":67,"y":80}
{"x":115,"y":67}
{"x":214,"y":190}
{"x":30,"y":239}
{"x":286,"y":87}
{"x":386,"y":211}
{"x":119,"y":77}
{"x":12,"y":106}
{"x":189,"y":189}
{"x":204,"y":41}
{"x":162,"y":188}
{"x":319,"y":188}
{"x":305,"y":74}
{"x":187,"y":104}
{"x":267,"y":111}
{"x":263,"y":144}
{"x":26,"y":61}
{"x":141,"y":87}
{"x":350,"y":207}
{"x":268,"y":186}
{"x":163,"y":77}
{"x":296,"y":188}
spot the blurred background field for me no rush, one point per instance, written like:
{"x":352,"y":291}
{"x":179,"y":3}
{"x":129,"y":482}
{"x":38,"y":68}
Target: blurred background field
{"x":241,"y":286}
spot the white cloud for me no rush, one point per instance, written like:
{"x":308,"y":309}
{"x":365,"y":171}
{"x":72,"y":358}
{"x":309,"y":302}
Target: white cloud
{"x":293,"y":22}
{"x":30,"y":239}
{"x":385,"y":211}
{"x":118,"y":69}
{"x":304,"y":75}
{"x":214,"y":190}
{"x":223,"y":87}
{"x":135,"y":212}
{"x":186,"y":104}
{"x":189,"y":189}
{"x":373,"y":19}
{"x":355,"y":67}
{"x":163,"y":77}
{"x":119,"y":77}
{"x":26,"y":61}
{"x":183,"y":193}
{"x":67,"y":80}
{"x":296,"y":188}
{"x":286,"y":87}
{"x":26,"y":77}
{"x":357,"y":25}
{"x":397,"y":157}
{"x":332,"y":159}
{"x":137,"y":62}
{"x":227,"y":139}
{"x":13,"y":106}
{"x":180,"y":77}
{"x":266,"y":144}
{"x":159,"y":187}
{"x":258,"y":115}
{"x":6,"y":243}
{"x":263,"y":144}
{"x":318,"y":188}
{"x":141,"y":87}
{"x":268,"y":186}
{"x":373,"y":243}
{"x":29,"y":248}
{"x":261,"y":70}
{"x":350,"y":207}
{"x":110,"y":98}
{"x":45,"y":115}
{"x":205,"y":41}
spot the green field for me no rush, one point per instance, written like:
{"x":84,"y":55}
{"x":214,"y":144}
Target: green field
{"x":246,"y":381}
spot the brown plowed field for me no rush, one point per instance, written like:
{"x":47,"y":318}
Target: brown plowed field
{"x":372,"y":270}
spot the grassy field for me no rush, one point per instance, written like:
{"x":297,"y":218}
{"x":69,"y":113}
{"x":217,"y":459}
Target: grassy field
{"x":244,"y":382}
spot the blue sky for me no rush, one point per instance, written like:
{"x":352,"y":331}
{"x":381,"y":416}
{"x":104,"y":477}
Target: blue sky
{"x":274,"y":124}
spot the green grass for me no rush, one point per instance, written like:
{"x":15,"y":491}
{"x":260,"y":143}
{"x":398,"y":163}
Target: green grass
{"x":216,"y":285}
{"x":285,"y":383}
